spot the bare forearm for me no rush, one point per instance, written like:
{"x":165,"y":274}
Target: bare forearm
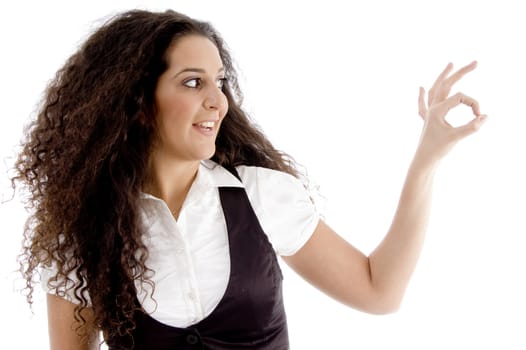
{"x":377,"y":283}
{"x":393,"y":261}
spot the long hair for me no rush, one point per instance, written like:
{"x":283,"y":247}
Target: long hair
{"x":84,"y":162}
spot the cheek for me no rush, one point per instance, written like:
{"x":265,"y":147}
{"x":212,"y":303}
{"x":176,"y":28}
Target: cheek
{"x":174,"y":110}
{"x":224,"y":106}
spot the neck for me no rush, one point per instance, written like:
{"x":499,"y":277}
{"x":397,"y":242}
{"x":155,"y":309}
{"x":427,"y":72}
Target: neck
{"x":170,"y":180}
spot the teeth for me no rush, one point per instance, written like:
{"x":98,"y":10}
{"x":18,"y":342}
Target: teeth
{"x":207,"y":125}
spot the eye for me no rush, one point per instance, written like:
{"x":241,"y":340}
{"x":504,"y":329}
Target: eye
{"x":221,"y":82}
{"x":193,"y":83}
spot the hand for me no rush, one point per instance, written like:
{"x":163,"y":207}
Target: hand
{"x":438,"y":136}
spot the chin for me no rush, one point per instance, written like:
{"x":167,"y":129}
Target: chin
{"x":209,"y":154}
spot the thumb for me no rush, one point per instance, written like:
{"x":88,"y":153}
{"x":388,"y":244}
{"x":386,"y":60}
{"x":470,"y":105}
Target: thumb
{"x":422,"y":110}
{"x":471,"y":127}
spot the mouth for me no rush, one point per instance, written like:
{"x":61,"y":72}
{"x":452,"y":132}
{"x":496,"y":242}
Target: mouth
{"x":206,"y":126}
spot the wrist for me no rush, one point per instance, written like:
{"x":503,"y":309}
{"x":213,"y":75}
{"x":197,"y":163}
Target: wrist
{"x":422,"y":163}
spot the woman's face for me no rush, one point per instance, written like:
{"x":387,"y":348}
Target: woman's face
{"x":189,"y":102}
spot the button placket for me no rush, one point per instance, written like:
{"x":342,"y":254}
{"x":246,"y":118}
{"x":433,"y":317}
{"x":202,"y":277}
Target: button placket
{"x":192,"y":294}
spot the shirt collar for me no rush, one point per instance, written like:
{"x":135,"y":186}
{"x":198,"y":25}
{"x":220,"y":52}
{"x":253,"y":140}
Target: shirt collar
{"x":214,"y":175}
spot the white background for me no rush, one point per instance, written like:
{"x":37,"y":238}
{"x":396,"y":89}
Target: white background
{"x":336,"y":86}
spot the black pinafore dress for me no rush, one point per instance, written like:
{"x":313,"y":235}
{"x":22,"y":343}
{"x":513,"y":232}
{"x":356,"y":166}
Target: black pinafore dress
{"x":250,"y":315}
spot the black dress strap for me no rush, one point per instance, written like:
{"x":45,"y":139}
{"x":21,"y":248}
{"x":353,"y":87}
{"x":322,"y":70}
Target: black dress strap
{"x":233,"y":171}
{"x":251,"y":313}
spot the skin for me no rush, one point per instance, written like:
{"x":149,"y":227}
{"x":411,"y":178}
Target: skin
{"x":374,"y":283}
{"x":187,"y":94}
{"x":61,"y":326}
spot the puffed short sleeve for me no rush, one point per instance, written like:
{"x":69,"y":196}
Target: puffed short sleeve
{"x":64,"y":288}
{"x":283,"y":206}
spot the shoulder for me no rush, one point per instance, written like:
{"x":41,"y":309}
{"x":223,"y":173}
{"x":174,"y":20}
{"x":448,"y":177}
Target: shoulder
{"x":283,"y":206}
{"x":251,"y":177}
{"x":271,"y":186}
{"x":254,"y":175}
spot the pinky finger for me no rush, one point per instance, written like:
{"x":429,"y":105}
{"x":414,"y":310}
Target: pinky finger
{"x":422,"y":110}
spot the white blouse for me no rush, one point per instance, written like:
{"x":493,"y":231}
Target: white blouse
{"x":190,"y":257}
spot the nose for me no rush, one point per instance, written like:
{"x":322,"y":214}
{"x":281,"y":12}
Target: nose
{"x":215,"y":99}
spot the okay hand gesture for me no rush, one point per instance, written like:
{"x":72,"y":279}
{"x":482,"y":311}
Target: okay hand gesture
{"x":438,"y":136}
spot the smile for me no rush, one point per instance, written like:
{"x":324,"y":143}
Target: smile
{"x":207,"y":128}
{"x":206,"y":125}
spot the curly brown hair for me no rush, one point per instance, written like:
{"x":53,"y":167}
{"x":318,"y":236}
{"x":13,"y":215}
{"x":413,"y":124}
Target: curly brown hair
{"x":84,"y":162}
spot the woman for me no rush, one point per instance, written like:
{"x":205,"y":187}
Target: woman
{"x":159,"y":207}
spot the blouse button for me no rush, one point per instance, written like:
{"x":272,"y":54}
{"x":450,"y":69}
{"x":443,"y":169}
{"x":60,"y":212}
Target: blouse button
{"x":179,"y":251}
{"x":191,"y":339}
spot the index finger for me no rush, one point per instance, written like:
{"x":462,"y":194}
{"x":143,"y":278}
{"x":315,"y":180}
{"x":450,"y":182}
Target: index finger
{"x":460,"y":98}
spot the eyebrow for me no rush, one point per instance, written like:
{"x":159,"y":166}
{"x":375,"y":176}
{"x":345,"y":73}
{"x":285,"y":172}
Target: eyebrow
{"x":195,"y":70}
